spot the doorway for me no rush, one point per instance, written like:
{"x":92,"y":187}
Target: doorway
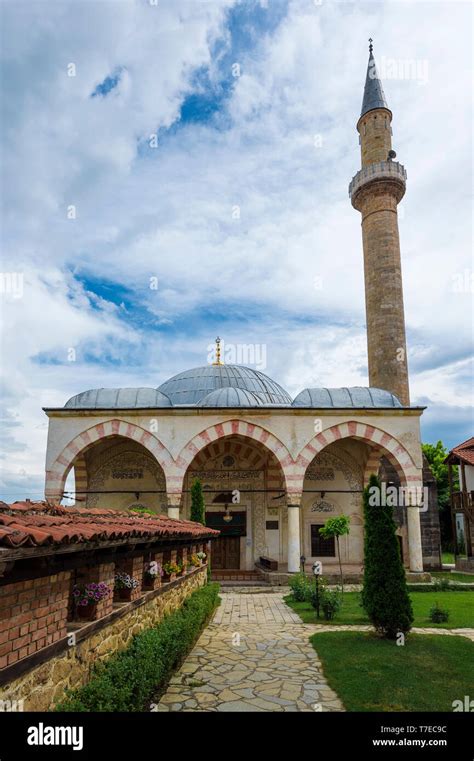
{"x":226,"y":553}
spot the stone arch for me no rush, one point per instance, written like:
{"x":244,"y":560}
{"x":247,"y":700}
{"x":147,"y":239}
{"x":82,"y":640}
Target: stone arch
{"x":384,"y":442}
{"x":239,"y":428}
{"x":59,"y":470}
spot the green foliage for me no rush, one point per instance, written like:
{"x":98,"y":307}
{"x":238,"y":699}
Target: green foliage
{"x":198,"y":513}
{"x":438,"y":615}
{"x":300,"y":587}
{"x":330,"y":603}
{"x":384,"y":594}
{"x":142,"y":510}
{"x":441,"y":585}
{"x":129,"y":679}
{"x":336,"y":527}
{"x":435,"y":454}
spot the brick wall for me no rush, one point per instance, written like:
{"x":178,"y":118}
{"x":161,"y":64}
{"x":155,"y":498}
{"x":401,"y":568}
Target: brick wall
{"x":33,"y":614}
{"x":134,"y":567}
{"x":104,"y":572}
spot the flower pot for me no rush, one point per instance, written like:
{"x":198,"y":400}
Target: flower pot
{"x":168,"y":577}
{"x":124,"y":594}
{"x":86,"y":612}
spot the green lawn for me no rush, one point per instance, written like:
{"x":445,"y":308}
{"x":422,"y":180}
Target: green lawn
{"x":459,"y":604}
{"x":447,"y":557}
{"x":372,"y":674}
{"x":466,"y":578}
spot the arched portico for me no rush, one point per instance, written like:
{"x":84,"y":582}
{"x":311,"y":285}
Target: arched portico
{"x":380,"y":443}
{"x":73,"y":453}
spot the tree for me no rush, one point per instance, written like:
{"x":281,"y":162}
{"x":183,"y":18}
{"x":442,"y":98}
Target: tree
{"x":197,"y":503}
{"x":336,"y":527}
{"x":384,"y":594}
{"x":436,"y":454}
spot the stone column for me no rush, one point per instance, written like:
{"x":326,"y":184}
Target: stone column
{"x":294,"y":542}
{"x":414,"y":538}
{"x":174,"y":501}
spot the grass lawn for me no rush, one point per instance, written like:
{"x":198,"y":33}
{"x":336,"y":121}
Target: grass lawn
{"x":466,"y":578}
{"x":371,"y":674}
{"x":447,"y":557}
{"x":459,"y":604}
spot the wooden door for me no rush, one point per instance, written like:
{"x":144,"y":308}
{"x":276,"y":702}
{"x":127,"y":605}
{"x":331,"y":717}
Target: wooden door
{"x":226,"y":553}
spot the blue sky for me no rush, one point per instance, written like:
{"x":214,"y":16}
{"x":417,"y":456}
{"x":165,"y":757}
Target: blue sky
{"x":208,"y":146}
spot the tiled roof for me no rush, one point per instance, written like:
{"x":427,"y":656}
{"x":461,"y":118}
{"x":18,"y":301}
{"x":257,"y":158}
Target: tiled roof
{"x":35,"y":524}
{"x":464,"y":452}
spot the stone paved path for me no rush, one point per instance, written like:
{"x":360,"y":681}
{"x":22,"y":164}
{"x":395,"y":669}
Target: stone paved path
{"x":254,"y":656}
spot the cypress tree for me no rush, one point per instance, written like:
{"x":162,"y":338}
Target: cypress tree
{"x":384,"y":595}
{"x":197,"y":503}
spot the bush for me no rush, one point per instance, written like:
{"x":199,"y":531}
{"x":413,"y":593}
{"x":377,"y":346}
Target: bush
{"x":384,"y":595}
{"x":441,"y":585}
{"x":438,"y":615}
{"x":453,"y":587}
{"x":330,"y":603}
{"x":300,"y":587}
{"x":129,"y":679}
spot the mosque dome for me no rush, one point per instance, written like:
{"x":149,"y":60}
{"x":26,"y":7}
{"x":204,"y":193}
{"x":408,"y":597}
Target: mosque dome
{"x":355,"y":396}
{"x":231,"y":397}
{"x":118,"y":398}
{"x":192,"y":386}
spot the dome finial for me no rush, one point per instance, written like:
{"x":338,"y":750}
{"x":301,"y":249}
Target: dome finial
{"x":218,"y":352}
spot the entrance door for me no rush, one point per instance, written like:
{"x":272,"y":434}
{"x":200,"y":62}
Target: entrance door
{"x":226,"y":552}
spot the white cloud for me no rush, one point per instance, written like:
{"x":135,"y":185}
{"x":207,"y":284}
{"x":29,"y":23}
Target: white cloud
{"x":293,"y":259}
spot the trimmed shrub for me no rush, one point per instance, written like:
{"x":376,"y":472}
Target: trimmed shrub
{"x":330,"y":603}
{"x":384,"y":594}
{"x":453,"y":587}
{"x":300,"y":587}
{"x":130,"y":678}
{"x":198,"y":511}
{"x":439,"y":615}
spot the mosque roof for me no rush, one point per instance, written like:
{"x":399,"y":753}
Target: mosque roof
{"x":229,"y":386}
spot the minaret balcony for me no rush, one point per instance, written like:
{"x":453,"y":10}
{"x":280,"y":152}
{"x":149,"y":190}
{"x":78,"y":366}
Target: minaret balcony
{"x":381,"y":171}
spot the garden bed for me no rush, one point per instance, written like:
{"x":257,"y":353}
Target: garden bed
{"x":132,"y":677}
{"x":459,"y":605}
{"x":371,"y":674}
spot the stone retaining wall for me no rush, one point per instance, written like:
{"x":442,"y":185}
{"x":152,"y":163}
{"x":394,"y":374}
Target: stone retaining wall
{"x":42,"y":687}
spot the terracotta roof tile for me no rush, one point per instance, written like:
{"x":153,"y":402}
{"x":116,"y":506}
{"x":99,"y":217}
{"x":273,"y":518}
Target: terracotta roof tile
{"x":34,"y":524}
{"x":463,"y":452}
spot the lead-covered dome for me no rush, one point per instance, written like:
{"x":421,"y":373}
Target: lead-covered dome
{"x":118,"y":398}
{"x":354,"y":396}
{"x":191,"y":386}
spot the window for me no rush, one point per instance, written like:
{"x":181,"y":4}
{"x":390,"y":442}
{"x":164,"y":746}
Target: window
{"x":321,"y":548}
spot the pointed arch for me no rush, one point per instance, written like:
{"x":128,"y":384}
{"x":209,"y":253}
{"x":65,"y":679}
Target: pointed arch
{"x":385,"y":443}
{"x":57,"y":474}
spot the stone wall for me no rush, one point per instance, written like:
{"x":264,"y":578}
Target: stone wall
{"x":43,"y":686}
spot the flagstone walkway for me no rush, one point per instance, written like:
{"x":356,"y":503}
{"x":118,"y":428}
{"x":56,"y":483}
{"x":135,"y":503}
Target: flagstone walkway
{"x":254,"y":656}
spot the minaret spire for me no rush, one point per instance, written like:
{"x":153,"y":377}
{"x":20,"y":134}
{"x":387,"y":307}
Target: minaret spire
{"x":374,"y":96}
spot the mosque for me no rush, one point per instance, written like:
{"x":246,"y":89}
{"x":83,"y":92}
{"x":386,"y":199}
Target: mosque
{"x":273,"y":468}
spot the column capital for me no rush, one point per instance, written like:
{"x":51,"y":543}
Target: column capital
{"x":293,"y":499}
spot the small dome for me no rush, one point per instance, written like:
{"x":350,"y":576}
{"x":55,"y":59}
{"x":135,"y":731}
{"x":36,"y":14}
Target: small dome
{"x":191,"y":386}
{"x":118,"y":398}
{"x":231,"y":397}
{"x":356,"y":396}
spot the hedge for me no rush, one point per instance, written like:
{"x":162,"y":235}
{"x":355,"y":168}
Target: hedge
{"x":128,"y":680}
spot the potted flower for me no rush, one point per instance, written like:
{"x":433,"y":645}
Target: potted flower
{"x":153,"y":570}
{"x":124,"y":585}
{"x":182,"y":564}
{"x":86,"y":597}
{"x":170,"y":570}
{"x":194,"y":560}
{"x":202,"y":557}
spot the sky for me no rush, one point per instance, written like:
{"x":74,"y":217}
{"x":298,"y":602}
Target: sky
{"x":174,"y":170}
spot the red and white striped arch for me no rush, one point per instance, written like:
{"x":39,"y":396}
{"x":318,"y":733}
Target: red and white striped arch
{"x":73,"y":452}
{"x":381,"y":442}
{"x":201,"y":443}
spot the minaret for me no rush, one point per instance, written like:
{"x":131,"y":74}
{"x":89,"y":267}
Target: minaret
{"x":375,"y":191}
